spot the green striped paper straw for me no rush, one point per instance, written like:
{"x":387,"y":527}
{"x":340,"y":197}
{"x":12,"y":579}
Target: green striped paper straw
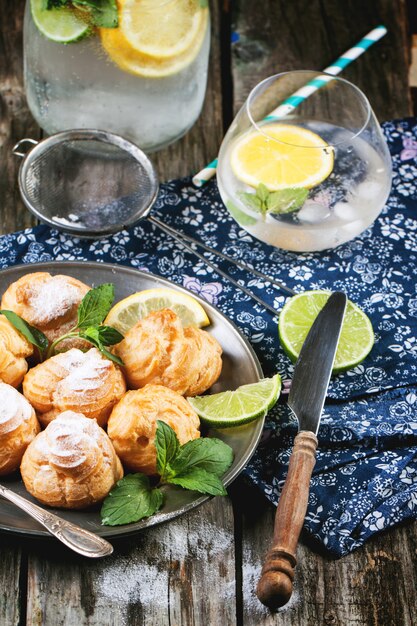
{"x":304,"y":92}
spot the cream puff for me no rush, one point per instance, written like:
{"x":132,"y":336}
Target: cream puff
{"x":14,"y":350}
{"x":72,"y":464}
{"x":132,"y":424}
{"x":18,"y":427}
{"x":50,"y":303}
{"x":84,"y":382}
{"x":158,"y":350}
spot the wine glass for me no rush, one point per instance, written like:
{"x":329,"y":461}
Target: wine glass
{"x":305,"y":171}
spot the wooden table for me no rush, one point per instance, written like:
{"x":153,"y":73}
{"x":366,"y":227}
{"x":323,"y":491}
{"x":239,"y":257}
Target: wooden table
{"x":202,"y":569}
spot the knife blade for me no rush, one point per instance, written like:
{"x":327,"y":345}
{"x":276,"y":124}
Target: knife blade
{"x":315,"y":363}
{"x":309,"y":386}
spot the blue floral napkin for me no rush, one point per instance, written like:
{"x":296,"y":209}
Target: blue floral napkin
{"x":365,"y":478}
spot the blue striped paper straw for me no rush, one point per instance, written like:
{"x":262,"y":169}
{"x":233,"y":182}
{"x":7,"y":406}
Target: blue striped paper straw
{"x":307,"y":90}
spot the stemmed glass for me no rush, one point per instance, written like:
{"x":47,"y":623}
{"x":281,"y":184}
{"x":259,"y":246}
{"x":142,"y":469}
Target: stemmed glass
{"x":310,"y":179}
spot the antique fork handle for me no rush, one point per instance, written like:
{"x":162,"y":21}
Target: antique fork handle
{"x":73,"y":536}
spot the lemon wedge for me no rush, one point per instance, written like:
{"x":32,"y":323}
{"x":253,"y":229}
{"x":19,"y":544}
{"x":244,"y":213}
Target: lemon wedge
{"x":282,"y":156}
{"x":135,"y":307}
{"x":156,"y":41}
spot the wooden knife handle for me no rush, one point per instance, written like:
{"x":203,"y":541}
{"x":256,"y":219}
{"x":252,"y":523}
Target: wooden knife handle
{"x":275,"y":585}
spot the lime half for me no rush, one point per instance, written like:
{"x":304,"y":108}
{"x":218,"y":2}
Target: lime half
{"x":234,"y":408}
{"x":297,"y":316}
{"x":60,"y":25}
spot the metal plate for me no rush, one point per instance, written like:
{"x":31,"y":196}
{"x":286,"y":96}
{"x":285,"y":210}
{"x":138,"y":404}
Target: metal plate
{"x":240,"y":366}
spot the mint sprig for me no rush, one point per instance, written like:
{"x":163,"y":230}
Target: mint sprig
{"x":100,"y":13}
{"x":197,"y":465}
{"x":283,"y":201}
{"x":92,"y":311}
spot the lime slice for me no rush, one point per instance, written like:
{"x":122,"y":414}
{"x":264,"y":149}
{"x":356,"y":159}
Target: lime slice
{"x":297,"y":316}
{"x":234,"y":408}
{"x":127,"y":312}
{"x":60,"y":25}
{"x":282,"y":156}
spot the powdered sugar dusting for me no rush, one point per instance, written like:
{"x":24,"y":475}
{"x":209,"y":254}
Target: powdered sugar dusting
{"x":140,"y":579}
{"x":85,"y":370}
{"x":14,"y":409}
{"x":52,"y":299}
{"x":69,"y":440}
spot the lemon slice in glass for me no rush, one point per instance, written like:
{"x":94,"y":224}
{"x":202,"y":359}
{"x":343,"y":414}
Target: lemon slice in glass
{"x":156,"y":40}
{"x":235,"y":408}
{"x":300,"y":311}
{"x":282,"y":156}
{"x":130,"y":310}
{"x":162,"y":28}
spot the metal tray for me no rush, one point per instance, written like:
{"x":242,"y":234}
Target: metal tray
{"x":240,"y":366}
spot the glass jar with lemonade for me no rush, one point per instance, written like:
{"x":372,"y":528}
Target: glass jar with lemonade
{"x":136,"y":67}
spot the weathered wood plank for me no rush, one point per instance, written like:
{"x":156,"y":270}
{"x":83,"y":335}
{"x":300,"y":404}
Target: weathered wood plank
{"x":15,"y":120}
{"x":179,"y":573}
{"x":356,"y":590}
{"x":275,"y":36}
{"x":10,"y":593}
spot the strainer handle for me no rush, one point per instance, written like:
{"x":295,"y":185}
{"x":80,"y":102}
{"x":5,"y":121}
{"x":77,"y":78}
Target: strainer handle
{"x":17,"y":148}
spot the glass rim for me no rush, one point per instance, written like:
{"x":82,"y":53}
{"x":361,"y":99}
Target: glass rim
{"x":316,"y":73}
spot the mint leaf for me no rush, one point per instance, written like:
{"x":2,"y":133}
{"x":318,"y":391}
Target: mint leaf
{"x":131,"y":500}
{"x":252,"y":201}
{"x":200,"y":480}
{"x":167,"y":447}
{"x":54,"y":4}
{"x":103,"y":13}
{"x":32,"y":334}
{"x":109,"y":336}
{"x":286,"y":200}
{"x":209,"y":454}
{"x":92,"y":334}
{"x":111,"y":356}
{"x":203,"y":4}
{"x":262,"y":192}
{"x":95,"y":305}
{"x":240,"y":216}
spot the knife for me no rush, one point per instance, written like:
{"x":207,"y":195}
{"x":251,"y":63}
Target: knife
{"x":306,"y":399}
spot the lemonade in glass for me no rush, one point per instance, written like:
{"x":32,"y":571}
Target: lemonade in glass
{"x":137,"y":68}
{"x":311,"y":179}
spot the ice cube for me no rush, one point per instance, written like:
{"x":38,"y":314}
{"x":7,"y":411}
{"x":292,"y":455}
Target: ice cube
{"x":345,"y":211}
{"x":368,"y":190}
{"x":313,"y":212}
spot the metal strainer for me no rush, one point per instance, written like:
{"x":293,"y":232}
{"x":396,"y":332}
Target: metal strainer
{"x":88,"y":183}
{"x":91,"y":183}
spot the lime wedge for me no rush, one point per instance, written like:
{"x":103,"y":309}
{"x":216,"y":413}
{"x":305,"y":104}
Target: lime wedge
{"x":297,"y":316}
{"x":234,"y":408}
{"x":60,"y":25}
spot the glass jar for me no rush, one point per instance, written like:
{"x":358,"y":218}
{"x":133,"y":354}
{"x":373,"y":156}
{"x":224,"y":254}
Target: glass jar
{"x":144,"y":79}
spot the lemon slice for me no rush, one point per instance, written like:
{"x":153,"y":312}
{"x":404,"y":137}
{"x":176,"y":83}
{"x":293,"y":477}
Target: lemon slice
{"x":162,"y":31}
{"x":300,"y":311}
{"x":235,"y":408}
{"x":156,"y":41}
{"x":127,"y":312}
{"x":282,"y":156}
